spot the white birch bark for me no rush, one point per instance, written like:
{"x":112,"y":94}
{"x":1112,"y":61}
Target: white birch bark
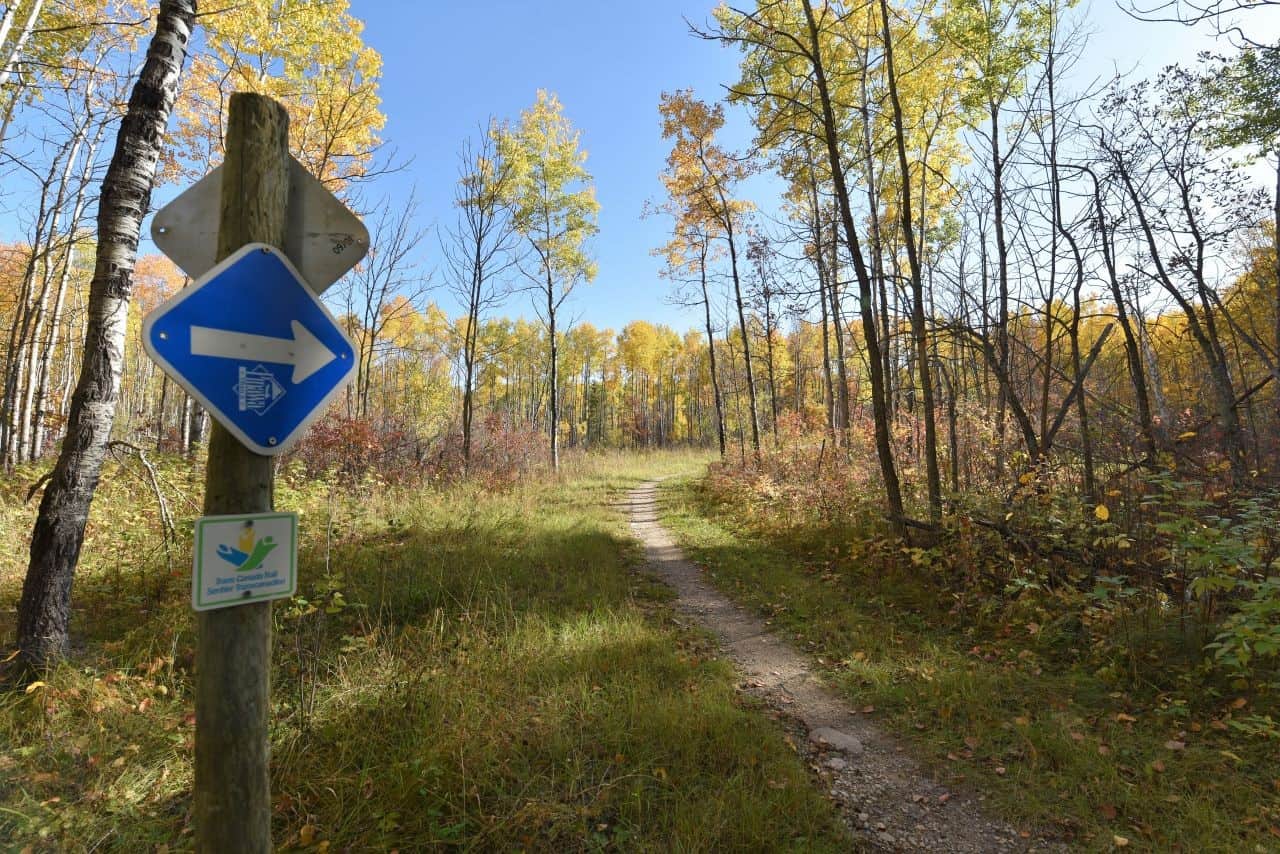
{"x":7,"y":23}
{"x":44,"y":610}
{"x":20,"y":44}
{"x":13,"y":58}
{"x":33,"y":354}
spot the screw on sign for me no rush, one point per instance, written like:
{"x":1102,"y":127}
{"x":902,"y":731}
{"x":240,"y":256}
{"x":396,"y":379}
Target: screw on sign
{"x":244,"y":558}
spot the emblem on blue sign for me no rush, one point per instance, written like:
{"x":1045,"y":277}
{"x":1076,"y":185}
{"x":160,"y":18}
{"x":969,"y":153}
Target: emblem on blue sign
{"x":252,"y":343}
{"x":258,"y":389}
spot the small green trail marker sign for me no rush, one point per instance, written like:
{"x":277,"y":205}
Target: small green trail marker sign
{"x":245,"y":558}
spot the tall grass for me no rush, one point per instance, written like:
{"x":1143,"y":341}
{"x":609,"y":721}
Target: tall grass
{"x":1006,"y":699}
{"x":461,"y":670}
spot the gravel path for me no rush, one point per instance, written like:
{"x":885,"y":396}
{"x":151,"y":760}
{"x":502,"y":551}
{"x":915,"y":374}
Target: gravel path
{"x":885,"y":796}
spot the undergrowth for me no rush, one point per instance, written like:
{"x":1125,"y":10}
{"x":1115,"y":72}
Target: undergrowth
{"x":1092,"y":710}
{"x":462,"y":669}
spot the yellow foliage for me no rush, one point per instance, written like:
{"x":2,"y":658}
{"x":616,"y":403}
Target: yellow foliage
{"x":307,"y":54}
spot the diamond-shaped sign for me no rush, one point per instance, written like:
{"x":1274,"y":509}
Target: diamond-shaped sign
{"x":324,"y":239}
{"x":253,"y":343}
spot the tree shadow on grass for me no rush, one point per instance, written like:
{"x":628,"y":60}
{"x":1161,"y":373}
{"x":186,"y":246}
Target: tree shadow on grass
{"x":593,"y":730}
{"x":492,"y":684}
{"x":518,"y":696}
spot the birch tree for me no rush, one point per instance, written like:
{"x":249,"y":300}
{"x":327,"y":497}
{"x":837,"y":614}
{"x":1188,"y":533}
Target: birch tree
{"x":44,"y":610}
{"x":554,"y":208}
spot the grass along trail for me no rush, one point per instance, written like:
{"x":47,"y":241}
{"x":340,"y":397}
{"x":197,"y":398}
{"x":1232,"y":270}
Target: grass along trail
{"x":882,"y":792}
{"x":463,"y":669}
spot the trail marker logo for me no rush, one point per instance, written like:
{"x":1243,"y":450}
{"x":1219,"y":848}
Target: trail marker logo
{"x":258,"y":389}
{"x":249,"y":558}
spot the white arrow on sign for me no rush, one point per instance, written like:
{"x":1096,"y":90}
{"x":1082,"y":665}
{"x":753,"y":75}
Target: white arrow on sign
{"x":304,"y":351}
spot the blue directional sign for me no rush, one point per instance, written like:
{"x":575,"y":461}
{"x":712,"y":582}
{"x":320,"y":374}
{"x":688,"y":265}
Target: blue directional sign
{"x":254,"y":345}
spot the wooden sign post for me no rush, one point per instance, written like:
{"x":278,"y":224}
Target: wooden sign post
{"x":251,"y":340}
{"x":233,"y":659}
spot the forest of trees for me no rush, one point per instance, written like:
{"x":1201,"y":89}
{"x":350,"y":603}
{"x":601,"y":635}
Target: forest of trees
{"x":987,"y":256}
{"x":989,"y":267}
{"x":963,"y":307}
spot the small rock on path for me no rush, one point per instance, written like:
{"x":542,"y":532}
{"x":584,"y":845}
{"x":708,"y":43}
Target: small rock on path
{"x":884,"y":795}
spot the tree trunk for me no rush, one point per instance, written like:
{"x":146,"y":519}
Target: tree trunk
{"x":884,"y":449}
{"x":468,"y":394}
{"x":876,"y":247}
{"x":11,"y":416}
{"x":769,"y":366}
{"x":844,"y":415}
{"x":20,"y":44}
{"x":6,"y":23}
{"x":1275,"y":247}
{"x":918,"y":331}
{"x":44,"y":610}
{"x":1132,"y":347}
{"x":828,"y":389}
{"x":1082,"y":411}
{"x":195,"y":433}
{"x":184,"y":421}
{"x":829,"y":398}
{"x":1002,"y":281}
{"x":50,"y":345}
{"x":34,"y":352}
{"x":742,"y":326}
{"x":470,"y":336}
{"x":1203,"y":331}
{"x":164,"y":400}
{"x":13,"y":58}
{"x":553,"y":404}
{"x":711,"y":350}
{"x":953,"y":438}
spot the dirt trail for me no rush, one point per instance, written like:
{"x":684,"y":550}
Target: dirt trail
{"x":886,"y":797}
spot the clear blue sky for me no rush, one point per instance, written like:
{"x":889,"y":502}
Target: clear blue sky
{"x":448,"y":66}
{"x":451,"y":65}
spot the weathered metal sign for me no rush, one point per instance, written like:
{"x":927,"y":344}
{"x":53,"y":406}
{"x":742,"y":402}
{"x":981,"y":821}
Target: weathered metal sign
{"x":322,"y":237}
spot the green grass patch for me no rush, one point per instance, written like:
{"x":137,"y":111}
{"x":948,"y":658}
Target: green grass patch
{"x":461,"y":670}
{"x":995,"y":705}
